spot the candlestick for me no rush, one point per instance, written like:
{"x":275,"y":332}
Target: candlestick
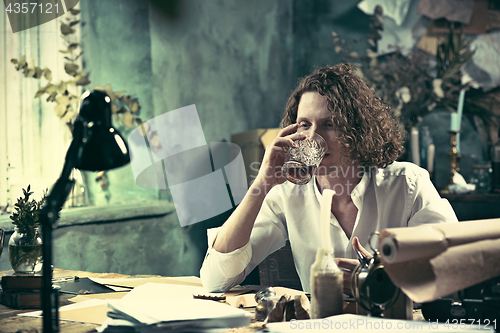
{"x":454,"y":160}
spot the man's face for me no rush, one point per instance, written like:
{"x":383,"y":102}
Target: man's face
{"x":313,"y":116}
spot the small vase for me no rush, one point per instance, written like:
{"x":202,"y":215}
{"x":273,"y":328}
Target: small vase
{"x":25,"y":250}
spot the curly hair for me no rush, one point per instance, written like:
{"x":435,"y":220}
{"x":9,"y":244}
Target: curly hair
{"x":369,"y":134}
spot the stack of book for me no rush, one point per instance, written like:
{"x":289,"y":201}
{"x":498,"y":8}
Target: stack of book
{"x":21,"y":291}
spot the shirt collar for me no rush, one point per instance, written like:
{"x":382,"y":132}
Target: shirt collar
{"x":360,"y":189}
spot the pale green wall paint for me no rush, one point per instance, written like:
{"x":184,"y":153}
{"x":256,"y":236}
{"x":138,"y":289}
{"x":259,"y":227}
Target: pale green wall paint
{"x":237,"y":60}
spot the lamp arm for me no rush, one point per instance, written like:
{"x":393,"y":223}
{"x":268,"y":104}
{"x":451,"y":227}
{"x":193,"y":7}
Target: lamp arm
{"x":49,"y":215}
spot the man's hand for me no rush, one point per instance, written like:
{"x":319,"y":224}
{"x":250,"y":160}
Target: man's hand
{"x":348,"y":265}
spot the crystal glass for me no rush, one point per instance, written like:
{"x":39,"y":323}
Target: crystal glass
{"x":301,"y":162}
{"x":481,"y":177}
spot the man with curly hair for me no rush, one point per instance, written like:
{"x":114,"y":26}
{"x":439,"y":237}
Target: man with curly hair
{"x":373,"y":192}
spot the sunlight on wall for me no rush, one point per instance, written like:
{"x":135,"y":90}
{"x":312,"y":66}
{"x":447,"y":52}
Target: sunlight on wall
{"x":33,"y":140}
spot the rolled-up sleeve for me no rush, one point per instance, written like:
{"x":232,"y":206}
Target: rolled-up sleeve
{"x":221,"y":271}
{"x":428,"y":206}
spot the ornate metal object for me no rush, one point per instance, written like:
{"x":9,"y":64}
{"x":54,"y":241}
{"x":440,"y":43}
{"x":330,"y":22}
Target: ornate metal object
{"x":371,"y":286}
{"x":454,"y":160}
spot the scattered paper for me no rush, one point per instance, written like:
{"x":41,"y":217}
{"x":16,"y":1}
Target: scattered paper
{"x":181,"y":314}
{"x":135,"y":282}
{"x":93,"y":308}
{"x":81,"y":298}
{"x":242,"y":301}
{"x":365,"y":324}
{"x":92,"y":311}
{"x":161,"y":291}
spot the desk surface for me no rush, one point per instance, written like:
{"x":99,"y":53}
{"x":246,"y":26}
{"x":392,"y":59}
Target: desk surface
{"x":11,"y":322}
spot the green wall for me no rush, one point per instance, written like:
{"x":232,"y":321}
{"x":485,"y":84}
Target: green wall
{"x":237,"y":60}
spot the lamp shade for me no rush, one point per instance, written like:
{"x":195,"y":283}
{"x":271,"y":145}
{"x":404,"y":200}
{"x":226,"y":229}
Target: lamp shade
{"x":103,"y":146}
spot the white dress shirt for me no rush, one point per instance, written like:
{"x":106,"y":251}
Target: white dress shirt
{"x":399,"y":195}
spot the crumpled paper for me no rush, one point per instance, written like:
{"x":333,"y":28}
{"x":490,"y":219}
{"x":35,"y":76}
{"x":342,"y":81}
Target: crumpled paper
{"x":395,"y":9}
{"x":403,"y":26}
{"x":460,"y":186}
{"x":483,"y":70}
{"x":452,"y":10}
{"x":290,"y":307}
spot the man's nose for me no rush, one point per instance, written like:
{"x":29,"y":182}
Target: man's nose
{"x":313,"y":129}
{"x":308,"y":131}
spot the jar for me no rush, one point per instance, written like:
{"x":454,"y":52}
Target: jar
{"x":326,"y":281}
{"x":481,"y":177}
{"x":25,"y":249}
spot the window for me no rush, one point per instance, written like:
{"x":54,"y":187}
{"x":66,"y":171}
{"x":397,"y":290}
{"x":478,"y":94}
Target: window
{"x":33,"y":140}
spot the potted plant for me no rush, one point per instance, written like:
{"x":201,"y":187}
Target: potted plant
{"x":25,"y":244}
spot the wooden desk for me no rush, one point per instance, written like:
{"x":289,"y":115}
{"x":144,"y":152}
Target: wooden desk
{"x":11,"y":322}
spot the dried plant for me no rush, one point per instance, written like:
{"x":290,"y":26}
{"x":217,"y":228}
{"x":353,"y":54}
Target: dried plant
{"x":415,"y":83}
{"x":125,"y":108}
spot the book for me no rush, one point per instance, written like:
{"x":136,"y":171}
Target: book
{"x":16,"y":281}
{"x":21,"y":299}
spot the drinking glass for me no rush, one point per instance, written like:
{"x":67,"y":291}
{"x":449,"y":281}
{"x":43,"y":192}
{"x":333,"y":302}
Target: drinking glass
{"x":301,"y":161}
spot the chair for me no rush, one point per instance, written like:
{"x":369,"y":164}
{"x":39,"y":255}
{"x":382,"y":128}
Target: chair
{"x":278,"y":269}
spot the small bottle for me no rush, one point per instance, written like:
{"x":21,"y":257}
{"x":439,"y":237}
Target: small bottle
{"x":425,"y":142}
{"x":326,"y":286}
{"x":481,"y":177}
{"x":495,"y":166}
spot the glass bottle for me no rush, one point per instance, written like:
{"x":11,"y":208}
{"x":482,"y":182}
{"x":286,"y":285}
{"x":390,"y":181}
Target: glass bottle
{"x":326,"y":286}
{"x":481,"y":177}
{"x":425,"y":142}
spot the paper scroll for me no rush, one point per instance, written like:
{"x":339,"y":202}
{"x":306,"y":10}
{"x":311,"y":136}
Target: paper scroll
{"x":435,"y":260}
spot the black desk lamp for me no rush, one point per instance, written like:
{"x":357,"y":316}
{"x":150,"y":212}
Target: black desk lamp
{"x":96,"y":146}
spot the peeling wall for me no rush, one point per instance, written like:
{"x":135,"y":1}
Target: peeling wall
{"x":237,"y":60}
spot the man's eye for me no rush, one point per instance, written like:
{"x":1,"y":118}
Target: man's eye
{"x":329,"y":125}
{"x":303,"y":125}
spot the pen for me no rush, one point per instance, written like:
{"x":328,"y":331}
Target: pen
{"x":65,"y":279}
{"x":362,"y":259}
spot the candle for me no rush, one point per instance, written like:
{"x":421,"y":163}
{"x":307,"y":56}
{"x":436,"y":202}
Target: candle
{"x":326,"y":209}
{"x":460,"y":109}
{"x":431,"y":150}
{"x":415,"y":155}
{"x":454,"y":123}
